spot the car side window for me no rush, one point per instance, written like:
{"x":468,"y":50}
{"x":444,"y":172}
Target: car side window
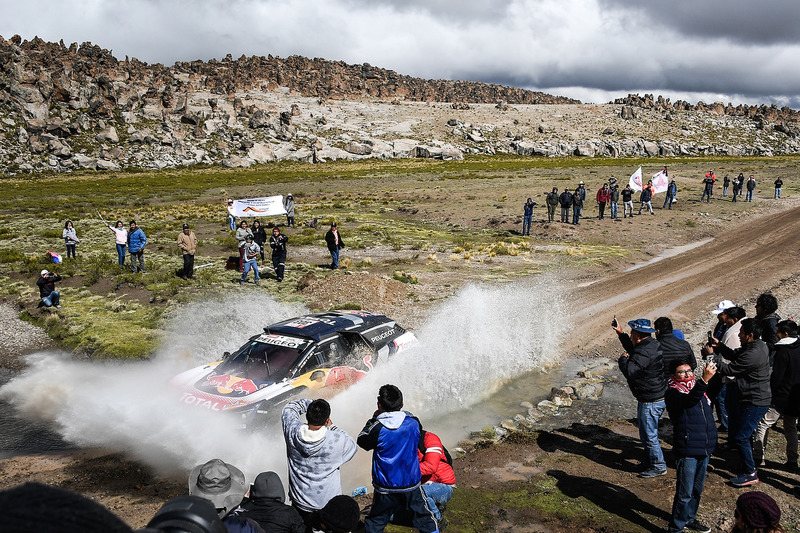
{"x":334,"y":352}
{"x":311,"y":363}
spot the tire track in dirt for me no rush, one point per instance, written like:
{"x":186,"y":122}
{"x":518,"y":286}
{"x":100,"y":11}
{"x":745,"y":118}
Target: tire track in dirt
{"x":744,"y":259}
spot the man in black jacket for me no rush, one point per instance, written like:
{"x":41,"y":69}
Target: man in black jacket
{"x":643,"y":366}
{"x":694,"y":439}
{"x":565,"y":199}
{"x":750,"y":366}
{"x":47,"y":289}
{"x":265,"y":504}
{"x":672,"y":348}
{"x":768,"y":318}
{"x":278,"y":244}
{"x":785,"y":388}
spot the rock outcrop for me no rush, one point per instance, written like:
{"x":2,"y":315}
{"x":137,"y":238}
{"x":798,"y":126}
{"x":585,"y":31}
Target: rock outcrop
{"x":78,"y":107}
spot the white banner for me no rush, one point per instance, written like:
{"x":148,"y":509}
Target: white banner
{"x":660,"y":182}
{"x":636,"y":180}
{"x":258,"y":207}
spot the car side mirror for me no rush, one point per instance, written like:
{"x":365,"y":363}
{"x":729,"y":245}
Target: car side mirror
{"x":317,"y":375}
{"x":226,"y":355}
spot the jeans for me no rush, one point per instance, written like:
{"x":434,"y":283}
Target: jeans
{"x":253,"y":263}
{"x":121,"y":254}
{"x":289,"y":221}
{"x":688,"y":489}
{"x":743,"y":419}
{"x":413,"y":503}
{"x":564,"y":214}
{"x":724,"y":190}
{"x":749,"y":197}
{"x":706,"y":195}
{"x":614,"y":209}
{"x":736,"y":192}
{"x":576,"y":215}
{"x":53,"y":299}
{"x":759,"y":439}
{"x":334,"y":258}
{"x":137,"y":256}
{"x":71,"y":250}
{"x":777,"y":192}
{"x":437,"y":494}
{"x":232,"y":222}
{"x":668,"y":201}
{"x":526,"y":224}
{"x":649,"y":207}
{"x":647,"y":415}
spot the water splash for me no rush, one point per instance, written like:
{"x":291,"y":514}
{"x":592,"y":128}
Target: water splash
{"x":471,"y":346}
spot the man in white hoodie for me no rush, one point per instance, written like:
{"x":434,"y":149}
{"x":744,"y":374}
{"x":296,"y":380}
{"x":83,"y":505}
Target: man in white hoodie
{"x":315,"y":450}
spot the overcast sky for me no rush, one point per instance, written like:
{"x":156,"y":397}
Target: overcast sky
{"x":738,"y":51}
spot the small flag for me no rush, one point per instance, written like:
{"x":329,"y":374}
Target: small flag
{"x":636,"y":180}
{"x":55,"y":256}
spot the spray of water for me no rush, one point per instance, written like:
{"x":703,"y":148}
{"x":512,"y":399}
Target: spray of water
{"x":475,"y":342}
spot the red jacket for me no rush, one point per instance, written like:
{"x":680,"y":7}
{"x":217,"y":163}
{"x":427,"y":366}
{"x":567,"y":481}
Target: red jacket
{"x":603,"y":195}
{"x":433,"y":464}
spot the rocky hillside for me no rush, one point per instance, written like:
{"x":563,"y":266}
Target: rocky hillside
{"x":63,"y":108}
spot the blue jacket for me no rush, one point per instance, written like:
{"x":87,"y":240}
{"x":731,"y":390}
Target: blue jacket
{"x":136,"y":241}
{"x":694,"y":432}
{"x":394,"y":436}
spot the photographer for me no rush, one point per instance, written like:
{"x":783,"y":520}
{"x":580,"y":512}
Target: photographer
{"x":47,"y":289}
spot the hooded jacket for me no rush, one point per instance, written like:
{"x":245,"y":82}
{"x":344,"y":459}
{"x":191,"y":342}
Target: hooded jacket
{"x":432,"y":463}
{"x":750,"y":365}
{"x":694,"y":432}
{"x":394,"y":435}
{"x":643,"y":368}
{"x":314,"y":458}
{"x":265,"y":506}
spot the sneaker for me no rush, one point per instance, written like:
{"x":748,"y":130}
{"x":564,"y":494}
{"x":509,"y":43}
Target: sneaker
{"x":442,"y":524}
{"x":241,"y":282}
{"x":745,"y":480}
{"x":257,"y":282}
{"x":653,"y":472}
{"x":58,"y":306}
{"x":698,"y":526}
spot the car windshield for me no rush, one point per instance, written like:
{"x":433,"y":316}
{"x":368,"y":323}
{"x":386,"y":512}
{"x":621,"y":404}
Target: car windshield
{"x":266,"y":358}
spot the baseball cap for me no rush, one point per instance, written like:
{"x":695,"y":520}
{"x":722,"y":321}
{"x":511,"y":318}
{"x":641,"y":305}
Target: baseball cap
{"x":723,"y":305}
{"x":44,"y":272}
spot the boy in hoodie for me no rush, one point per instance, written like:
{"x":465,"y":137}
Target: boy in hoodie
{"x":265,"y":505}
{"x":315,"y":451}
{"x":393,"y":434}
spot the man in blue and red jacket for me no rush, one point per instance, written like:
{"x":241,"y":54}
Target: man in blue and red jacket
{"x":393,"y":434}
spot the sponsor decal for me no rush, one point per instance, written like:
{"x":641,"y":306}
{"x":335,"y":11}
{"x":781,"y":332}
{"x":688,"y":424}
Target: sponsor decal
{"x":382,"y":336}
{"x":191,"y":399}
{"x":302,"y":322}
{"x":282,"y":340}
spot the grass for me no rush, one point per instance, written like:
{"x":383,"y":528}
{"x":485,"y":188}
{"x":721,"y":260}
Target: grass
{"x":438,"y":210}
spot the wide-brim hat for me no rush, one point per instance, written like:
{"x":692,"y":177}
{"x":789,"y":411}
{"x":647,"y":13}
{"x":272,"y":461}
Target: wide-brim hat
{"x":220,"y":483}
{"x":723,"y":305}
{"x":642,"y":325}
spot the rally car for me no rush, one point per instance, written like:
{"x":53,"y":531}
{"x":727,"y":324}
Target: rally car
{"x":327,"y":351}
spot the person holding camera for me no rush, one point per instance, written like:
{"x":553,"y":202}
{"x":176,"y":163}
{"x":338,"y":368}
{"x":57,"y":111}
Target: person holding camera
{"x":278,"y":243}
{"x":47,"y":289}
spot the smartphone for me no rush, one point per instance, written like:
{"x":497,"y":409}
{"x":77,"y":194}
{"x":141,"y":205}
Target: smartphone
{"x":710,"y":338}
{"x":614,"y":322}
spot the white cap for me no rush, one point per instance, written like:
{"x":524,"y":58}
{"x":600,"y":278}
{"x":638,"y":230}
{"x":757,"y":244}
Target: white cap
{"x":44,"y":272}
{"x":723,"y":305}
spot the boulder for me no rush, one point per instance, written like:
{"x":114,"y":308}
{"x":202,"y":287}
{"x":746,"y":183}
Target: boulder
{"x":84,"y":161}
{"x":261,"y":153}
{"x":235,"y":161}
{"x":105,"y":164}
{"x":404,"y":148}
{"x":108,"y":135}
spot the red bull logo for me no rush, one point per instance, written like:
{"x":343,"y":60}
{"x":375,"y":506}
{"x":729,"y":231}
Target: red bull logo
{"x":219,"y":381}
{"x":244,"y":385}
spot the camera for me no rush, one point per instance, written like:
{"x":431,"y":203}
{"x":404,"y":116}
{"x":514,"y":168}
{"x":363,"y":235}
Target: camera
{"x":710,"y":338}
{"x":185,"y":514}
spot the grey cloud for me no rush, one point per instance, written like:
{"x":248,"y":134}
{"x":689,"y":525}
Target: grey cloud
{"x":768,"y":22}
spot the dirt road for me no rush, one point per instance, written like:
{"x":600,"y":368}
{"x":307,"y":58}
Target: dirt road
{"x":741,"y":261}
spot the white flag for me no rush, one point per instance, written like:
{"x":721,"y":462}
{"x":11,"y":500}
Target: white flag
{"x":636,"y":180}
{"x":258,"y":207}
{"x":660,"y":182}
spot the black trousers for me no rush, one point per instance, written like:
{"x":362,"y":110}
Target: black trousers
{"x":188,"y":266}
{"x":279,"y":264}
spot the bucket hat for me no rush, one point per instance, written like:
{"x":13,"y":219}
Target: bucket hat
{"x":218,"y":482}
{"x":641,"y":325}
